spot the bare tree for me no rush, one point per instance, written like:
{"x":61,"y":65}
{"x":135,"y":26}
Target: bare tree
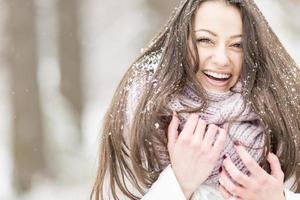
{"x":70,"y":56}
{"x":28,"y":140}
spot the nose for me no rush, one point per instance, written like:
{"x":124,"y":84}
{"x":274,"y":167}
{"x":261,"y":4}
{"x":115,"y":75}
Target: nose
{"x":220,"y":57}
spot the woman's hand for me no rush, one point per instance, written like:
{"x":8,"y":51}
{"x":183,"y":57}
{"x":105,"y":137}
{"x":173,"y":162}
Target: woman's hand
{"x":259,"y":185}
{"x":192,"y":153}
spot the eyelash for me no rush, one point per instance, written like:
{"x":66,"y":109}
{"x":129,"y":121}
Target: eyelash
{"x":238,"y":45}
{"x":207,"y":40}
{"x":204,"y":39}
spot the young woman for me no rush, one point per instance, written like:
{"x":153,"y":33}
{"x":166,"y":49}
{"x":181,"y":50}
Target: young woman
{"x":209,"y":111}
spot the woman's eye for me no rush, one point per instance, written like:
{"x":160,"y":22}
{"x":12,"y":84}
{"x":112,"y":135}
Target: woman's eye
{"x":204,"y":40}
{"x":238,"y":45}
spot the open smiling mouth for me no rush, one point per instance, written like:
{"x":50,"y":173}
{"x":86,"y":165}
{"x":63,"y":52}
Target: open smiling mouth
{"x":217,"y":78}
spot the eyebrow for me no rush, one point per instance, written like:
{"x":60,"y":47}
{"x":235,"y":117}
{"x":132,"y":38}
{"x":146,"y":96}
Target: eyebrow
{"x":214,"y":34}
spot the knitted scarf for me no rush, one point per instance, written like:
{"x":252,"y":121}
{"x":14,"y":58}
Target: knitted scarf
{"x":223,"y":106}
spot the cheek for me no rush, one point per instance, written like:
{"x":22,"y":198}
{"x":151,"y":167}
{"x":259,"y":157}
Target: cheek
{"x":237,"y":60}
{"x":203,"y":57}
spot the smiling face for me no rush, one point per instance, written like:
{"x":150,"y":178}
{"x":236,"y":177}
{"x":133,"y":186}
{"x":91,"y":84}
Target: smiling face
{"x":218,"y":32}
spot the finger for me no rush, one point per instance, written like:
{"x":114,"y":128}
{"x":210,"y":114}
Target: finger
{"x":224,"y":192}
{"x":190,"y":126}
{"x":220,"y":142}
{"x":235,"y":198}
{"x":200,"y":130}
{"x":172,"y":130}
{"x":249,"y":162}
{"x":227,"y":194}
{"x":210,"y":136}
{"x":232,"y":188}
{"x":235,"y":173}
{"x":275,"y":167}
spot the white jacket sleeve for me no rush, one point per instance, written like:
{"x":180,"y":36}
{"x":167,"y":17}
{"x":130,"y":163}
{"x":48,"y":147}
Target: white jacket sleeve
{"x":289,"y":195}
{"x":167,"y":187}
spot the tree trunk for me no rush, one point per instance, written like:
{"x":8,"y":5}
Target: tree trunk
{"x":28,"y":143}
{"x":70,"y":56}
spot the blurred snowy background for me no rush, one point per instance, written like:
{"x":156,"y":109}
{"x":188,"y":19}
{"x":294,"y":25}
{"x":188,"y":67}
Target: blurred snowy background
{"x":60,"y":61}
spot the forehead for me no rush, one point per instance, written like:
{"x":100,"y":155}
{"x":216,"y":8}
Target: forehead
{"x":218,"y":17}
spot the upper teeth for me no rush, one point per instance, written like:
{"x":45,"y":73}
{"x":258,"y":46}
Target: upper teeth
{"x":217,"y":75}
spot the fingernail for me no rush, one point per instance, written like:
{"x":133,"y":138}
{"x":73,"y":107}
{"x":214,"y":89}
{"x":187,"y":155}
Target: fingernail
{"x":220,"y":169}
{"x":236,"y":142}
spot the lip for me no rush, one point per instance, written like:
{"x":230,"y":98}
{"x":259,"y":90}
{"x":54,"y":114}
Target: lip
{"x":215,"y":82}
{"x":219,"y":72}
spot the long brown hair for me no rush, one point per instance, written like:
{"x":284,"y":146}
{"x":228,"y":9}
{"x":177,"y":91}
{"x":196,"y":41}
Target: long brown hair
{"x":271,"y":84}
